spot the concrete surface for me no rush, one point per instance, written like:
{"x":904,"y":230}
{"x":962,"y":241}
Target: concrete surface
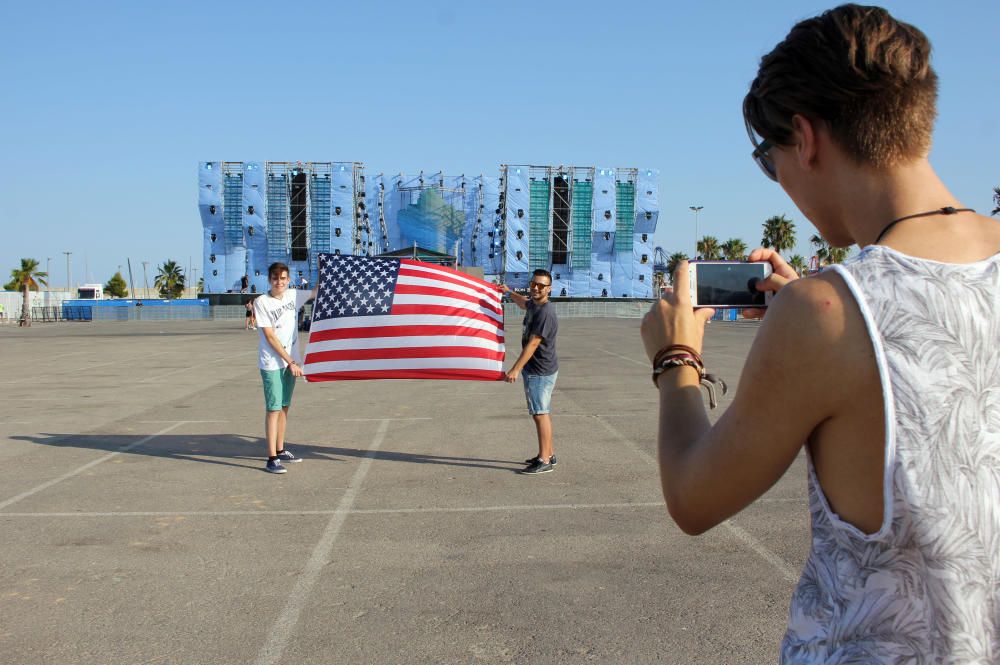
{"x":138,"y":526}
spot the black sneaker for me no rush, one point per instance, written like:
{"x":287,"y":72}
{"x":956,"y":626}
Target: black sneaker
{"x":552,"y":460}
{"x":536,"y":467}
{"x":288,"y":458}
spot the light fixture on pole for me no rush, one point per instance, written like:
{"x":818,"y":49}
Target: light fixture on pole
{"x":696,"y":210}
{"x":68,"y":255}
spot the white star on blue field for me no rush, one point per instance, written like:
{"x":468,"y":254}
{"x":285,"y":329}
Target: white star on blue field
{"x":355,"y":286}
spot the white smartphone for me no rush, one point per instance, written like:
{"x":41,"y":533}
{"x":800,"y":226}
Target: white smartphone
{"x":728,"y":284}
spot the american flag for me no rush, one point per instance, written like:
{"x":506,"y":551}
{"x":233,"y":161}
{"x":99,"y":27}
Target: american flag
{"x":401,"y":319}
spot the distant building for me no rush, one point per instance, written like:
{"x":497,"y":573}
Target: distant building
{"x":591,"y":227}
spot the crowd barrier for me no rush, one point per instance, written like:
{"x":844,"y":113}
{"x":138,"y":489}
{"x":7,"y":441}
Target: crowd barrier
{"x":616,"y":309}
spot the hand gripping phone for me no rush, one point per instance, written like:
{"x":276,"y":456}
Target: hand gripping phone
{"x":728,"y":284}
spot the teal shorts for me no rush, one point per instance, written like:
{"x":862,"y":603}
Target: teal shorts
{"x":278,"y":387}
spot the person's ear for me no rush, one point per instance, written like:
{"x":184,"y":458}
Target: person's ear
{"x":805,"y":134}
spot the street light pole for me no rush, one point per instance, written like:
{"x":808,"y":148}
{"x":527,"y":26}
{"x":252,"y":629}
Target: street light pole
{"x":696,"y":209}
{"x":68,"y":255}
{"x":48,"y":272}
{"x":145,"y":280}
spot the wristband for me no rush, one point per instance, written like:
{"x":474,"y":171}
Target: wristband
{"x":665,"y":360}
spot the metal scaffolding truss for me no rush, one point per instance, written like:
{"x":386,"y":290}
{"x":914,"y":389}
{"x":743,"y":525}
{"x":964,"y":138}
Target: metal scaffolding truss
{"x":382,"y":228}
{"x":478,"y":225}
{"x":500,"y":219}
{"x":278,"y":213}
{"x":363,"y":244}
{"x":625,"y":180}
{"x":320,"y":178}
{"x":582,"y":216}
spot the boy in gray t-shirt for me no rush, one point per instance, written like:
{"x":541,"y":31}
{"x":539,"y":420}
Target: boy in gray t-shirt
{"x":538,"y":363}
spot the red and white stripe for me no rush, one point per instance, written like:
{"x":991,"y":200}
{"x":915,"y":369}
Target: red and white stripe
{"x":443,"y":324}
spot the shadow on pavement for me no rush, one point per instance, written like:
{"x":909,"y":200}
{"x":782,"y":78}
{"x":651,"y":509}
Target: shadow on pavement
{"x":209,"y":448}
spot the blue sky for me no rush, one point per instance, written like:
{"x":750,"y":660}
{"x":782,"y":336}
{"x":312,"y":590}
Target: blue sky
{"x":108,"y":107}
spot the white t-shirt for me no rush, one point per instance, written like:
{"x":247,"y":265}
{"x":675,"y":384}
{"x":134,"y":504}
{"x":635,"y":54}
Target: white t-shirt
{"x":281,"y":314}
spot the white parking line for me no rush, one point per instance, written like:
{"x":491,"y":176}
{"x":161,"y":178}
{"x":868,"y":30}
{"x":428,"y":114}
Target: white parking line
{"x":185,"y":369}
{"x":766,"y":554}
{"x":631,"y":360}
{"x":758,"y":547}
{"x":281,"y":632}
{"x":360,"y":511}
{"x":115,"y":362}
{"x":365,"y":420}
{"x":88,"y":465}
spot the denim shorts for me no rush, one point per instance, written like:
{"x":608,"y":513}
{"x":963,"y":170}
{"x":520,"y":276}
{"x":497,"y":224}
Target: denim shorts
{"x":538,"y":392}
{"x":278,"y":387}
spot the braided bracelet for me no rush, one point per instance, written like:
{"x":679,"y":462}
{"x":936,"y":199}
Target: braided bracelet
{"x":665,"y":361}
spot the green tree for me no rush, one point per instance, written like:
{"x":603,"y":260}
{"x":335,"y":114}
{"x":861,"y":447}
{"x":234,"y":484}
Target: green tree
{"x":673,"y":262}
{"x":709,"y":249}
{"x":779,"y":233}
{"x":798,"y":264}
{"x":734,"y":249}
{"x":996,"y":200}
{"x":26,"y":278}
{"x":170,"y":280}
{"x":116,"y":286}
{"x":828,"y":255}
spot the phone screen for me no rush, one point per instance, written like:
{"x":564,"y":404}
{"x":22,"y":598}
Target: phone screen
{"x":729,"y":284}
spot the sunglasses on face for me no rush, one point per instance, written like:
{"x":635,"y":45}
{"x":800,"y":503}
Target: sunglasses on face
{"x":761,"y":148}
{"x":538,"y":285}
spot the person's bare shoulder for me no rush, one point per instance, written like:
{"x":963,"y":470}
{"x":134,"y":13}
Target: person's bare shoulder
{"x":815,"y":325}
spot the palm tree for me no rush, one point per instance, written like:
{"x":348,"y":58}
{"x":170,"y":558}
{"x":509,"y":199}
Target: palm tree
{"x":734,"y":249}
{"x":996,"y":199}
{"x":839,"y":254}
{"x":828,"y":255}
{"x":709,"y":249}
{"x":779,"y":233}
{"x":170,"y":280}
{"x":822,"y":249}
{"x":673,"y":262}
{"x":798,"y":264}
{"x":26,"y":278}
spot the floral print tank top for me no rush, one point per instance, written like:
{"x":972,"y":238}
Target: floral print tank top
{"x":925,"y":588}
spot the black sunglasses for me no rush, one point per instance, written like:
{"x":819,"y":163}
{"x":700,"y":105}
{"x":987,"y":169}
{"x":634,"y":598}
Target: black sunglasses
{"x":759,"y":154}
{"x":538,"y":285}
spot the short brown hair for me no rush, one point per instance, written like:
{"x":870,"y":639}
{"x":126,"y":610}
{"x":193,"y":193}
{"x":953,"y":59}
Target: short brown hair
{"x":276,"y":268}
{"x":862,"y":72}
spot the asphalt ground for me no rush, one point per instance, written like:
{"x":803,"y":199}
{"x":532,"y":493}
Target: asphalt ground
{"x":138,"y":525}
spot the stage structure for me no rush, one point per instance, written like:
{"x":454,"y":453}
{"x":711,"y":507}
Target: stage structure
{"x":591,"y":227}
{"x":256,"y":213}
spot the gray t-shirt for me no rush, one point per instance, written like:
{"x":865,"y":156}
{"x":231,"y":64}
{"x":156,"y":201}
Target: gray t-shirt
{"x":541,"y":321}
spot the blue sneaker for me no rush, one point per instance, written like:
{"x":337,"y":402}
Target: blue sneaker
{"x":288,"y":458}
{"x":274,"y":466}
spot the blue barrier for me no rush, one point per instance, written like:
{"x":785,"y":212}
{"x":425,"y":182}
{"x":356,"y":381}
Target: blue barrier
{"x":152,"y":309}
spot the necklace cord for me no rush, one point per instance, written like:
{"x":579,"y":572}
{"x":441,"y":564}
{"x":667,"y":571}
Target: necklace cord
{"x":947,"y":210}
